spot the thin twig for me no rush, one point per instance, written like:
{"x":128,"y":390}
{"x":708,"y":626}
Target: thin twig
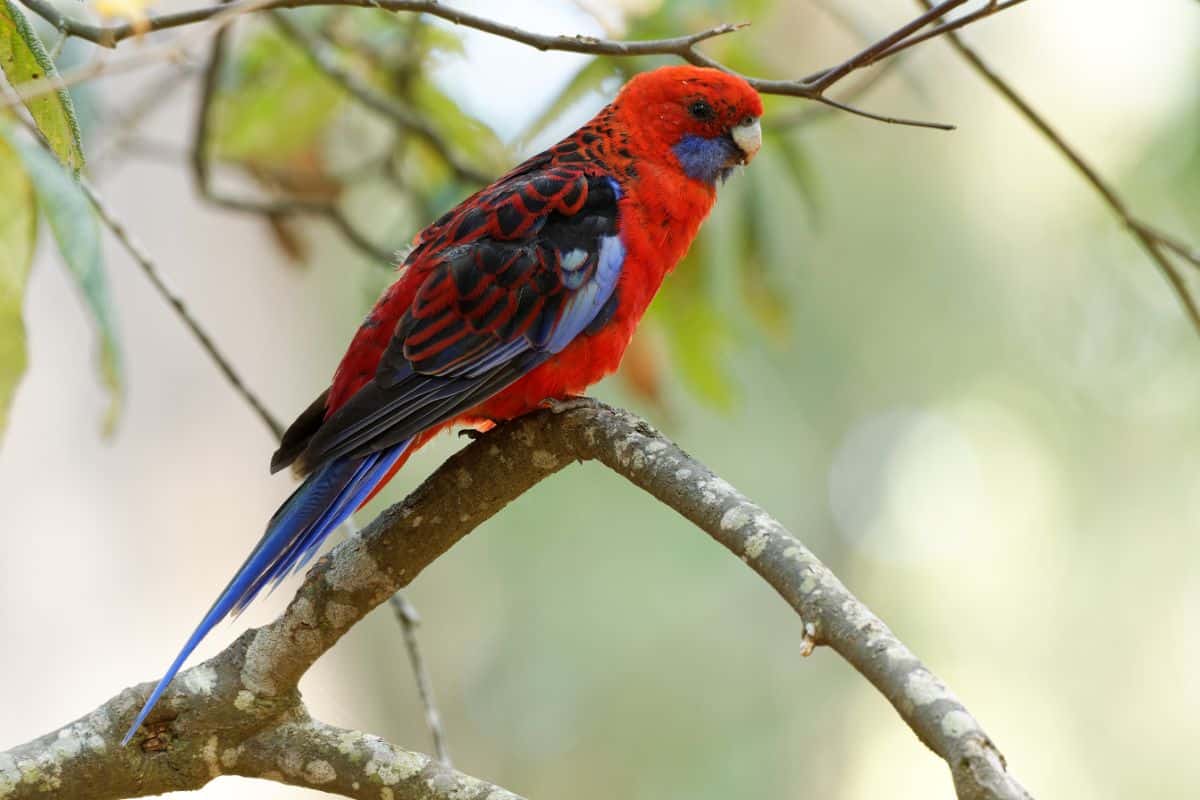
{"x":409,"y":619}
{"x":808,"y":114}
{"x":1152,"y":242}
{"x":406,"y":615}
{"x":176,"y":301}
{"x":819,"y":81}
{"x":946,"y":27}
{"x":1177,"y":246}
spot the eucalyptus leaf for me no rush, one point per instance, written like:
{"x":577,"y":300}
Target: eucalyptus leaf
{"x":18,"y":231}
{"x":75,"y":228}
{"x":23,"y":58}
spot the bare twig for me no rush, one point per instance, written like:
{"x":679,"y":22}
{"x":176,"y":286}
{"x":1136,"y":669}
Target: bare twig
{"x":177,"y":303}
{"x":819,"y":81}
{"x":1177,"y":246}
{"x":406,"y":615}
{"x":410,"y":620}
{"x":219,"y":716}
{"x":988,"y":9}
{"x":1156,"y":245}
{"x":808,"y":114}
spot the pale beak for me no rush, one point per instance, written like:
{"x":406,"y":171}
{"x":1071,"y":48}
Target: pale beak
{"x":748,"y":138}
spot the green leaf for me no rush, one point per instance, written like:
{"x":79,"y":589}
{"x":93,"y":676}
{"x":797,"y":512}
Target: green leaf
{"x":273,"y":104}
{"x":77,"y":232}
{"x":23,"y":58}
{"x":18,"y":231}
{"x":698,"y":334}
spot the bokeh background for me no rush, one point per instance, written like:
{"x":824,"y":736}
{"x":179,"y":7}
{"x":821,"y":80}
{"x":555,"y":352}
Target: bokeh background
{"x":936,"y":357}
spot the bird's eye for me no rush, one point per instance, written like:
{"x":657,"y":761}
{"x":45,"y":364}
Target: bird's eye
{"x":701,"y":110}
{"x":748,"y":120}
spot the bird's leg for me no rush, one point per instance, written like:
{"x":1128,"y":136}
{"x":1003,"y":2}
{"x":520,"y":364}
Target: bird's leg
{"x":562,"y":405}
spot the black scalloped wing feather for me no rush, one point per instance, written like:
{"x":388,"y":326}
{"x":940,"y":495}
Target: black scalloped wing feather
{"x":514,"y":274}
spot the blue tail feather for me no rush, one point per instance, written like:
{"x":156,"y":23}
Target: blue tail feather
{"x":294,"y":534}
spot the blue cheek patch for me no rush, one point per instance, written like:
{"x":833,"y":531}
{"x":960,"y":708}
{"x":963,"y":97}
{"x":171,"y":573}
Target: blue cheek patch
{"x":705,"y":159}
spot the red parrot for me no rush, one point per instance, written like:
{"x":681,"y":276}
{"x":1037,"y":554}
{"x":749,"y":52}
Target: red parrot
{"x":529,"y":290}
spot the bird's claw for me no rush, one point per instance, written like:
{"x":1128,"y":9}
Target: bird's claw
{"x":563,"y":405}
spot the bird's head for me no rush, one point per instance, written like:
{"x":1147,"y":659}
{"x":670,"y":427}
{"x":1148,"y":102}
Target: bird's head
{"x":701,"y":121}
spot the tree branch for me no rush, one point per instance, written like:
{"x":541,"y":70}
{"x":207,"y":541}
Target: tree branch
{"x":311,"y":754}
{"x":813,"y":87}
{"x":240,"y":710}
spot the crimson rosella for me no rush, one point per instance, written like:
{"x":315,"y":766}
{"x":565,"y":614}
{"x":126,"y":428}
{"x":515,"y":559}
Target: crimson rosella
{"x":527,"y":291}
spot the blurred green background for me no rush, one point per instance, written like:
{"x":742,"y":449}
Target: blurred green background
{"x":936,"y":357}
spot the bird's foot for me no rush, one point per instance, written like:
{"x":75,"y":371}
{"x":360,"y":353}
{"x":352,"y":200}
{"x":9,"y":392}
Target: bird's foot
{"x":478,"y":427}
{"x":565,"y":404}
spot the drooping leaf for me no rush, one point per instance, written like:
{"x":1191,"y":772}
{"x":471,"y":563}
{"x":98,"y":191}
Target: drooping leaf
{"x":23,"y":58}
{"x":18,"y":230}
{"x":75,"y":228}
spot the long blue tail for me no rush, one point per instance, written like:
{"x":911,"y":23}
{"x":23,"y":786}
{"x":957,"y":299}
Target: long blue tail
{"x":324,"y":501}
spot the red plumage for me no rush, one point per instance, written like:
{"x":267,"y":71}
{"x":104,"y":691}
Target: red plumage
{"x":661,"y":209}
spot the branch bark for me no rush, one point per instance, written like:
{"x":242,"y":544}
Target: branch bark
{"x":241,"y":713}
